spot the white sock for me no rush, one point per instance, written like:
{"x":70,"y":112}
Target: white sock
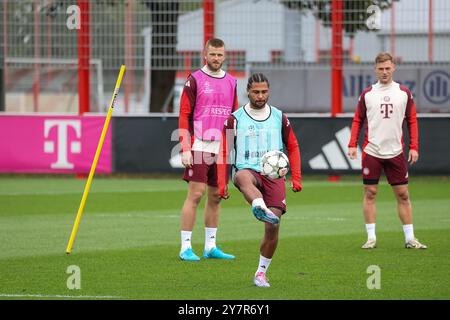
{"x":408,"y":229}
{"x":259,"y":202}
{"x":210,"y":238}
{"x":264,"y":264}
{"x":370,"y":228}
{"x":186,"y":240}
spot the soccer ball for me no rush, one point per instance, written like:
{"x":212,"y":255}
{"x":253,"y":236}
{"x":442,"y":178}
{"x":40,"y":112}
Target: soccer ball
{"x":274,"y":164}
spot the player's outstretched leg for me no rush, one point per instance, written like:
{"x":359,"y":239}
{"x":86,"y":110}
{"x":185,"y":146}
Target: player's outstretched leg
{"x":262,"y":213}
{"x":247,"y":183}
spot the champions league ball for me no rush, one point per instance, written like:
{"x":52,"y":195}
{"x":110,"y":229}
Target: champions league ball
{"x":274,"y":164}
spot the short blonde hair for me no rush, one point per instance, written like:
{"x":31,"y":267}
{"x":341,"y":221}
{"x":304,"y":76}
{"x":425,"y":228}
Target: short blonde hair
{"x":215,"y":42}
{"x":383,"y":57}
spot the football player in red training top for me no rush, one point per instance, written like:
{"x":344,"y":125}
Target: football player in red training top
{"x":208,"y":98}
{"x":251,"y":131}
{"x":385,"y":106}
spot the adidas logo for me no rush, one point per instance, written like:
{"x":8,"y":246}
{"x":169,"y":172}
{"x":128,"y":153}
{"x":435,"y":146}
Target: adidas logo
{"x":263,"y":267}
{"x":212,"y":237}
{"x":334,"y":154}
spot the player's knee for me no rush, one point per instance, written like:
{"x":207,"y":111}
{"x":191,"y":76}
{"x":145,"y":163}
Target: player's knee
{"x":196,"y":195}
{"x":403,"y":196}
{"x":238,"y":180}
{"x":242,"y":179}
{"x":214,"y":198}
{"x":370,"y":194}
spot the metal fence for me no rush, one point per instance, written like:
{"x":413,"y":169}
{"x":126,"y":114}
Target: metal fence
{"x":156,"y":39}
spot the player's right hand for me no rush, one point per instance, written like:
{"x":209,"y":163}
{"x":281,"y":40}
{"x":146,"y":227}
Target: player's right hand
{"x":352,"y":153}
{"x":223,"y":192}
{"x":186,"y":159}
{"x":413,"y":156}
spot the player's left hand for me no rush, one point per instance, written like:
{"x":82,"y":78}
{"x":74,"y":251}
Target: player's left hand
{"x":413,"y":156}
{"x":296,"y":187}
{"x":223,"y":192}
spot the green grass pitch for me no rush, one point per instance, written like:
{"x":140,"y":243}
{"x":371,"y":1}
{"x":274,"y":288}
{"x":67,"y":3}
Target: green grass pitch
{"x":128,"y":242}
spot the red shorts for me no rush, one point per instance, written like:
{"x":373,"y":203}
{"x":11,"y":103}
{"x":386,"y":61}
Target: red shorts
{"x":273,"y":190}
{"x":203,"y":170}
{"x":395,"y":169}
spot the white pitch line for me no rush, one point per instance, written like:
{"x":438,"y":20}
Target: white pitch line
{"x":313,"y":184}
{"x":6,"y":295}
{"x":56,"y":193}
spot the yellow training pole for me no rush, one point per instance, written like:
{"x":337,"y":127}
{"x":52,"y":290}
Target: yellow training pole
{"x":94,"y":162}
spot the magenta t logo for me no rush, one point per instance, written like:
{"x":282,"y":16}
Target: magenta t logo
{"x":62,"y":141}
{"x":387,"y":109}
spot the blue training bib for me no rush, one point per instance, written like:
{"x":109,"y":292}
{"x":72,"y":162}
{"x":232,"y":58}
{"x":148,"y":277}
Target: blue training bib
{"x":254,"y":138}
